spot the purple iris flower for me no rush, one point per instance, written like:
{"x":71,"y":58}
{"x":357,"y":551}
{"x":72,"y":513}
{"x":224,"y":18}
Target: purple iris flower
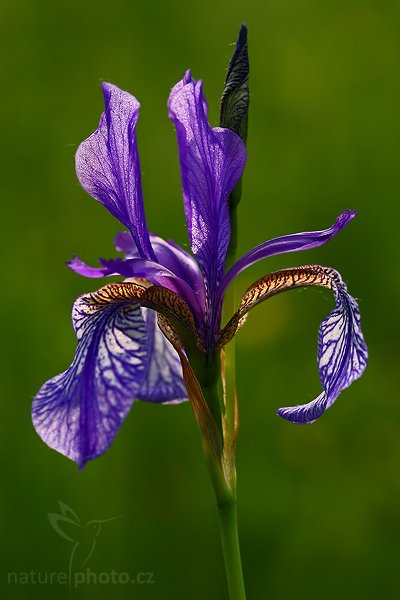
{"x":135,"y":336}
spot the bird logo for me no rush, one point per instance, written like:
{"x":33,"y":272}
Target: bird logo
{"x":82,"y":535}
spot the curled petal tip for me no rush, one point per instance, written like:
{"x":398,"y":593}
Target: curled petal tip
{"x":345,"y":217}
{"x":78,"y":266}
{"x":187,"y":78}
{"x":281,"y":413}
{"x":290,"y":415}
{"x":106,"y":86}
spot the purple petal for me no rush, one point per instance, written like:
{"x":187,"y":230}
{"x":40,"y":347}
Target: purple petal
{"x":181,"y":263}
{"x":79,"y":412}
{"x":159,"y":275}
{"x":124,"y":242}
{"x":342,"y":354}
{"x":169,"y":255}
{"x":139,"y":268}
{"x":164,"y":381}
{"x":78,"y":266}
{"x":107,"y":165}
{"x":286,"y":243}
{"x":212,"y":162}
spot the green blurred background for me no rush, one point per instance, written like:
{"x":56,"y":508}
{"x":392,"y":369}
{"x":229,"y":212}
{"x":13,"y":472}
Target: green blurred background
{"x":319,"y":506}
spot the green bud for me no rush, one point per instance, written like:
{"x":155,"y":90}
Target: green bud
{"x":235,"y":98}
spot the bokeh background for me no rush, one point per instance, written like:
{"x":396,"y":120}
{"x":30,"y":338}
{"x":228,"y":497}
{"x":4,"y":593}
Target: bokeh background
{"x":319,"y":506}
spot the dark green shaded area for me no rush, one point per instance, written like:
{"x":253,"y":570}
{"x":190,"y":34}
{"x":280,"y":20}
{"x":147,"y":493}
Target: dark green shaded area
{"x":318,"y":505}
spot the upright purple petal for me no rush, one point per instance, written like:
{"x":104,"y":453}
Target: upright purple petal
{"x":164,"y":381}
{"x":79,"y":412}
{"x":107,"y":165}
{"x":286,"y":243}
{"x":342,"y":354}
{"x":212,"y":162}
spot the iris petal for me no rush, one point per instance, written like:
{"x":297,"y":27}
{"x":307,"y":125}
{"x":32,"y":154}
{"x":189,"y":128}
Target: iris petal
{"x":124,"y":242}
{"x":159,"y":275}
{"x":78,"y":266}
{"x":140,"y":268}
{"x":79,"y":412}
{"x":164,"y":381}
{"x":181,"y":263}
{"x":170,"y":255}
{"x":107,"y":165}
{"x":286,"y":243}
{"x":342,"y":354}
{"x":212,"y":162}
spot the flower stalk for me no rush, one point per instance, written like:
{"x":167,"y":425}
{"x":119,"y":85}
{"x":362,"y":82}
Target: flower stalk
{"x":227,"y":513}
{"x":234,"y":116}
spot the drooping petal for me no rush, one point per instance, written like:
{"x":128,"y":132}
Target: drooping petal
{"x":212,"y":162}
{"x":283,"y":244}
{"x":79,"y":412}
{"x":164,"y":381}
{"x":107,"y":165}
{"x":304,"y":414}
{"x":342,"y":352}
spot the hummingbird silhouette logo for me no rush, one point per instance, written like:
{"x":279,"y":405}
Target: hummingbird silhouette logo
{"x":83,"y":536}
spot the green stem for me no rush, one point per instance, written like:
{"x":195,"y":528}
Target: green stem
{"x":227,"y":512}
{"x":230,"y":545}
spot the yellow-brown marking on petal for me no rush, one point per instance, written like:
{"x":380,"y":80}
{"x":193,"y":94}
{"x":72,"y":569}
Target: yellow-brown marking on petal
{"x":113,"y":292}
{"x":170,"y":303}
{"x":228,"y":332}
{"x":277,"y":282}
{"x":177,"y":320}
{"x":176,"y":310}
{"x":272,"y":284}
